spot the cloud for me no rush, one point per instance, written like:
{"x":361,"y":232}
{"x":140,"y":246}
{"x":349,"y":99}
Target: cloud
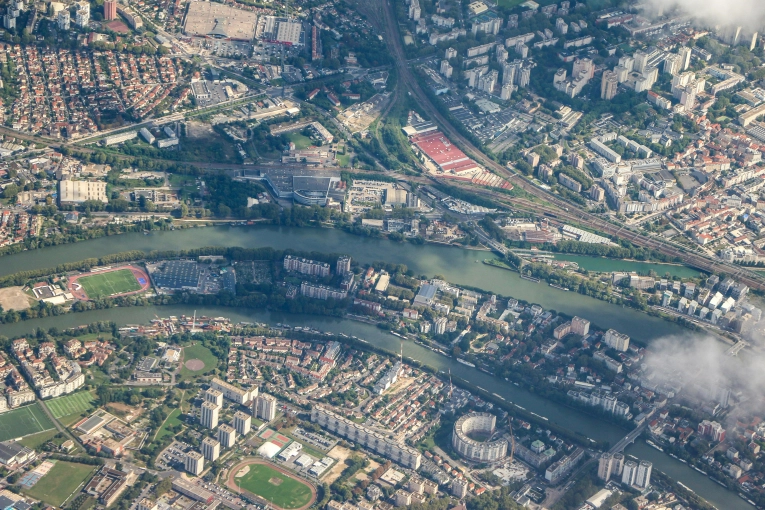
{"x":749,"y":14}
{"x":700,"y":366}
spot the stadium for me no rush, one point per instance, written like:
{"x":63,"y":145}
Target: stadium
{"x":103,"y":282}
{"x":472,"y":438}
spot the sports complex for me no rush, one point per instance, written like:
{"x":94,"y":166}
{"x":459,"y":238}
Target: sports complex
{"x":109,"y":282}
{"x":266,"y":483}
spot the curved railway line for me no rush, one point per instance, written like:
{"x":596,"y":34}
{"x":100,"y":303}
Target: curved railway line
{"x":560,"y":208}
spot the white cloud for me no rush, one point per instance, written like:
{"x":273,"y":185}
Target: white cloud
{"x":749,"y":14}
{"x":702,"y":368}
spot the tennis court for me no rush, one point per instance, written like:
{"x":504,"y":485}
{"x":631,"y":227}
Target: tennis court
{"x":267,"y":433}
{"x":23,"y":422}
{"x":30,"y":479}
{"x":71,"y":404}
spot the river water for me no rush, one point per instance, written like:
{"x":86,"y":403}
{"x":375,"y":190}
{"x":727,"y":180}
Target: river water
{"x":602,"y":264}
{"x":456,"y":265}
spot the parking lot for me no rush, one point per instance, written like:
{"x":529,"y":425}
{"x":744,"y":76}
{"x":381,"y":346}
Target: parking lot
{"x":222,"y":48}
{"x":319,"y":441}
{"x":228,"y":497}
{"x":173,"y":457}
{"x":208,"y":93}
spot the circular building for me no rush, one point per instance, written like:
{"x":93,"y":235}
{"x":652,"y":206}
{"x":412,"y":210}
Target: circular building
{"x":471,"y":438}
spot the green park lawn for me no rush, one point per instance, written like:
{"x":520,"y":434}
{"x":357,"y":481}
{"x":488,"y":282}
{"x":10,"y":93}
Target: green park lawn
{"x":301,"y":141}
{"x":200,"y":352}
{"x":171,"y":421}
{"x":344,"y":160}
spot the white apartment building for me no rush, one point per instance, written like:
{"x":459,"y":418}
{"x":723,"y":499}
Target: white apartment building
{"x":264,"y":407}
{"x":210,"y":449}
{"x":226,"y":435}
{"x":209,"y":415}
{"x":242,"y":423}
{"x":195,"y":463}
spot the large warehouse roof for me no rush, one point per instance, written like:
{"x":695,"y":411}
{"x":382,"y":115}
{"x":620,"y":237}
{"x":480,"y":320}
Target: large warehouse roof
{"x":438,"y":148}
{"x":218,"y":20}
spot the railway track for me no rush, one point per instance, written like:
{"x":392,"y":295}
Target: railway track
{"x":559,"y":207}
{"x":689,"y":258}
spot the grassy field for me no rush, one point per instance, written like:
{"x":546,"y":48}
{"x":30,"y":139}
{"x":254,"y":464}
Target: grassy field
{"x":23,"y":422}
{"x":67,"y":405}
{"x":187,"y":184}
{"x":106,"y":284}
{"x":344,"y":160}
{"x":300,"y":140}
{"x":38,"y":439}
{"x":61,"y":481}
{"x":171,"y":421}
{"x":200,"y":352}
{"x":279,"y":489}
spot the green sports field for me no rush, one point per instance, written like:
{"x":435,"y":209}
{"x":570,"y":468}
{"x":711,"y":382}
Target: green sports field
{"x":106,"y":284}
{"x":23,"y":422}
{"x":281,"y":490}
{"x":60,"y":482}
{"x":70,"y":404}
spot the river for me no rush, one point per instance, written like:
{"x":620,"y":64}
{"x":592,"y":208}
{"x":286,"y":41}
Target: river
{"x":606,"y":265}
{"x":459,"y":266}
{"x":463,"y":267}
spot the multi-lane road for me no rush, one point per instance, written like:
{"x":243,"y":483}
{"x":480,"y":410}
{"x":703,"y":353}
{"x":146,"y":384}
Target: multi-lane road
{"x":557,"y":206}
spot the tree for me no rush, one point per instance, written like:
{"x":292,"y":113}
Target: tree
{"x":11,"y":191}
{"x":224,"y":211}
{"x":163,"y":487}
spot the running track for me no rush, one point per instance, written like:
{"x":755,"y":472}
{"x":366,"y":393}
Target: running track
{"x":140,"y":276}
{"x":231,"y":482}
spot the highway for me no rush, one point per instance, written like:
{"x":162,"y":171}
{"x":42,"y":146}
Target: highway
{"x":558,"y":207}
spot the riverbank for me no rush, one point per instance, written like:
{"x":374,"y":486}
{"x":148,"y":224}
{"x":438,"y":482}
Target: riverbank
{"x":565,"y":282}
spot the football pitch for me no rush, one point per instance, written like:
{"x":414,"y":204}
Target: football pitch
{"x":70,"y":404}
{"x":107,"y":284}
{"x":60,"y":483}
{"x":23,"y":422}
{"x":278,"y":488}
